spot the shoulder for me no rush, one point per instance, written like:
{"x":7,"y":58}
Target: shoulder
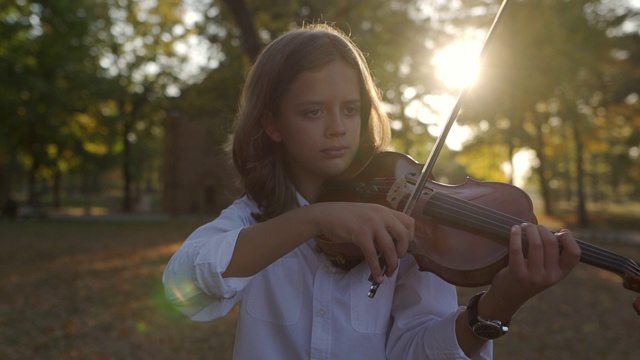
{"x":241,"y":205}
{"x":235,"y":216}
{"x":240,"y":210}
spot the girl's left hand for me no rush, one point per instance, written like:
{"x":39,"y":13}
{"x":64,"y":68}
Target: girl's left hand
{"x":547,"y":259}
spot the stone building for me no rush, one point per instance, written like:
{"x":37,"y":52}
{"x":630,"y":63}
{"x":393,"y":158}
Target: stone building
{"x":198,"y":178}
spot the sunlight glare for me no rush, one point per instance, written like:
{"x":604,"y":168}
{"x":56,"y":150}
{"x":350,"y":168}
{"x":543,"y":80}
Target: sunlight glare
{"x":434,"y":111}
{"x":457,"y":65}
{"x":523,"y":161}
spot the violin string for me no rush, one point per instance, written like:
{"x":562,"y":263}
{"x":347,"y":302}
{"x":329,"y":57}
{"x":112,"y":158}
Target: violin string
{"x":628,"y":264}
{"x":501,"y":225}
{"x":591,"y":253}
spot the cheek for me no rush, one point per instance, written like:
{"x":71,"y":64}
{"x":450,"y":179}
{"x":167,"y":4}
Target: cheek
{"x":356,"y":128}
{"x":299,"y":138}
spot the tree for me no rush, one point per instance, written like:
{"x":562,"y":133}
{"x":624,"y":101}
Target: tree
{"x":543,"y":80}
{"x":397,"y":37}
{"x":142,"y":50}
{"x":49,"y":76}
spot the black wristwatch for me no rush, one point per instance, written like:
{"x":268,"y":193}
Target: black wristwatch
{"x":483,"y":328}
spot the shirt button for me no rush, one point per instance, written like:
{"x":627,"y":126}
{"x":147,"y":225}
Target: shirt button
{"x":321,"y":313}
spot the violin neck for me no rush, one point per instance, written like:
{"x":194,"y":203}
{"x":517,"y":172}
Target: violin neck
{"x":497,"y":225}
{"x":606,"y":260}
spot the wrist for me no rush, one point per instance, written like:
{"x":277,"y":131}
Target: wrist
{"x":493,"y":306}
{"x":483,"y":327}
{"x":312,"y":213}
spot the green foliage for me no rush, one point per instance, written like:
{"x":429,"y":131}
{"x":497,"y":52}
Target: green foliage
{"x":86,"y":84}
{"x":554,"y":85}
{"x":50,"y":75}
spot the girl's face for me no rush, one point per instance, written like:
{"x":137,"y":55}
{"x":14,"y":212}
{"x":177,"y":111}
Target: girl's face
{"x":319,"y":125}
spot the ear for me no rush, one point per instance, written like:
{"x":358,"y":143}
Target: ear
{"x":270,"y":127}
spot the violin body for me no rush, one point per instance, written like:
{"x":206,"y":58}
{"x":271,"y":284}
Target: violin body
{"x":464,"y":257}
{"x":461,"y":231}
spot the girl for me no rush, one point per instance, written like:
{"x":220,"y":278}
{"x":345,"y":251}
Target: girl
{"x":310,"y":112}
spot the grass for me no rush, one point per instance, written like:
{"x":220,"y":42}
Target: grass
{"x":91,"y":289}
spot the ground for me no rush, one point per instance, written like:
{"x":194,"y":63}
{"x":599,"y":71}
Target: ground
{"x":91,"y":289}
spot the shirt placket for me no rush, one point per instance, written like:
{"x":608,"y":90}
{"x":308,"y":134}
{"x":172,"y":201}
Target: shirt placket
{"x":321,"y":323}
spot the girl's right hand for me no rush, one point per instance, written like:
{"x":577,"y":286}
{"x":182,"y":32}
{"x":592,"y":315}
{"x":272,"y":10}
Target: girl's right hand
{"x":372,"y":227}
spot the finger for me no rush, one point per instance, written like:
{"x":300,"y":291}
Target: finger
{"x":551,"y":248}
{"x":365,"y":241}
{"x":516,"y":257}
{"x":402,"y":231}
{"x":571,"y":250}
{"x":387,"y":247}
{"x":372,"y":259}
{"x":535,"y":253}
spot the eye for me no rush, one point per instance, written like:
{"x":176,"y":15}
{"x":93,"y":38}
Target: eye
{"x":316,"y":112}
{"x":352,"y":110}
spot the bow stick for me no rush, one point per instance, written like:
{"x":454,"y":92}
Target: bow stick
{"x":437,"y":148}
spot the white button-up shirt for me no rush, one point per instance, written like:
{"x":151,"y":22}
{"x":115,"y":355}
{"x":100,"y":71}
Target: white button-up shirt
{"x":302,"y":307}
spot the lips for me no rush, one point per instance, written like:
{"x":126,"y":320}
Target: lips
{"x":335,"y":151}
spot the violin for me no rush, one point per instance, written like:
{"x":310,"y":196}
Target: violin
{"x":462,"y":231}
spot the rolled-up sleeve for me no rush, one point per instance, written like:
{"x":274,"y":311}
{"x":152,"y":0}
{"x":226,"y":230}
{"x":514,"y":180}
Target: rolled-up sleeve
{"x":193,"y":279}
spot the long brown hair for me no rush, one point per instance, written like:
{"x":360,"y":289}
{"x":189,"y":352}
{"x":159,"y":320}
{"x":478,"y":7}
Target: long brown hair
{"x":259,"y":160}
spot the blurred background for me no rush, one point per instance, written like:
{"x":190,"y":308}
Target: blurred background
{"x":113,"y":114}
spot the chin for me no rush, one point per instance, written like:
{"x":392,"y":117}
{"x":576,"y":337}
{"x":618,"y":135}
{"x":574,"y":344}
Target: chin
{"x":335,"y":168}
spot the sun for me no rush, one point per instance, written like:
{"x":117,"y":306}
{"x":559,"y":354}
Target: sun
{"x":434,"y":110}
{"x":457,"y":65}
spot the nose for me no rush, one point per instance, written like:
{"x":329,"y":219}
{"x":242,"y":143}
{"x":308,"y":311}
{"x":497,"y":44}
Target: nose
{"x":335,"y":124}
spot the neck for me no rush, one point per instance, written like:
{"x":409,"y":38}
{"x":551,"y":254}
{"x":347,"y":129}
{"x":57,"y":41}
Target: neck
{"x":310,"y":193}
{"x":309,"y":187}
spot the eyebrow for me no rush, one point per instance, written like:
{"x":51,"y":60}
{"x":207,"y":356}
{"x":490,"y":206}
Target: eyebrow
{"x":320,"y":102}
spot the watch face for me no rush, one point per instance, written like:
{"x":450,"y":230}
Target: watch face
{"x":488,"y":331}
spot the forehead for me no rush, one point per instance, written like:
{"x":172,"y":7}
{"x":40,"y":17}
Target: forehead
{"x":335,"y":79}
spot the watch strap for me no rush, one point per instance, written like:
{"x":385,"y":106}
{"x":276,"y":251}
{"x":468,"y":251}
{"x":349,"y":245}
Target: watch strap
{"x":475,"y":321}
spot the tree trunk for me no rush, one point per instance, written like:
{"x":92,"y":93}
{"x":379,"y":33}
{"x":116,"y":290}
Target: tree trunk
{"x":5,"y":188}
{"x":32,"y":196}
{"x":57,"y":179}
{"x":511,"y":152}
{"x":542,"y":177}
{"x":127,"y":202}
{"x":244,"y":20}
{"x":583,"y":220}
